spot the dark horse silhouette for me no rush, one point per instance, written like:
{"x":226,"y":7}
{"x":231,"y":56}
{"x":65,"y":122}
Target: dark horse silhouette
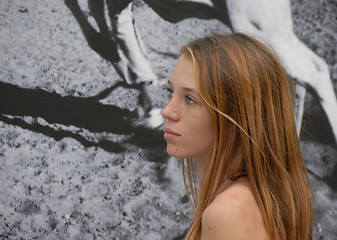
{"x":83,"y":113}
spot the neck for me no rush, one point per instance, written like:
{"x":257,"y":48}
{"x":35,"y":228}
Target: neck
{"x":201,"y":163}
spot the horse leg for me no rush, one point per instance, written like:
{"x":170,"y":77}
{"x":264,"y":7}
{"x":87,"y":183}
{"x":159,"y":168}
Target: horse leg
{"x":300,"y":92}
{"x":96,"y":8}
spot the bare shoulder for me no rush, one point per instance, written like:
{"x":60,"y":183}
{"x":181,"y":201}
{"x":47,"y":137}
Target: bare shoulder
{"x":234,"y":214}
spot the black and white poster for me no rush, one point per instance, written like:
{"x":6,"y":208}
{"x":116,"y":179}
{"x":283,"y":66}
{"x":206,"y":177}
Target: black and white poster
{"x":82,"y":85}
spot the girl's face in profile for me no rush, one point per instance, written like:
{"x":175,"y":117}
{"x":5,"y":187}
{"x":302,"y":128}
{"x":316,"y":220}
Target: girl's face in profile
{"x":188,"y":128}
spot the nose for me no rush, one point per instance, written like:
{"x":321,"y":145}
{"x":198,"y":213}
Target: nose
{"x":170,"y":111}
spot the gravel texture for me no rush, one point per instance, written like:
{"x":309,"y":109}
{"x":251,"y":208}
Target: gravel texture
{"x":90,"y":180}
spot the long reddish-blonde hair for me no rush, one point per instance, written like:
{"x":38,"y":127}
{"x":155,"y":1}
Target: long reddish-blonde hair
{"x":250,"y":100}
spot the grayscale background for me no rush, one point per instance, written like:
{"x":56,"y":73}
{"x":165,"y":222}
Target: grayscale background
{"x":74,"y":167}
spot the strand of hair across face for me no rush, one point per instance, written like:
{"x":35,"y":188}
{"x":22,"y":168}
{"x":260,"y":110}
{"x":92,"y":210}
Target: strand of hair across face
{"x":233,"y":121}
{"x":218,"y":111}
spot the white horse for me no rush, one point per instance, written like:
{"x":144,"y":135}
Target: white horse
{"x":270,"y":20}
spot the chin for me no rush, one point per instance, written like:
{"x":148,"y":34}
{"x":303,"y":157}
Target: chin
{"x":175,"y":153}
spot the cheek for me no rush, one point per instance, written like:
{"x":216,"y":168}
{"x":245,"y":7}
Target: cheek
{"x":207,"y":141}
{"x":208,"y":134}
{"x":202,"y":140}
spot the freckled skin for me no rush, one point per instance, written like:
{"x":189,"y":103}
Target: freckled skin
{"x":234,"y":214}
{"x":187,"y":115}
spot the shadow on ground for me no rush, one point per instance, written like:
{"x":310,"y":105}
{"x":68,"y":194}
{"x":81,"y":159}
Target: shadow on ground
{"x":81,"y":113}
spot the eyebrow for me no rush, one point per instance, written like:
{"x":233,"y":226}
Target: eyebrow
{"x":186,"y":89}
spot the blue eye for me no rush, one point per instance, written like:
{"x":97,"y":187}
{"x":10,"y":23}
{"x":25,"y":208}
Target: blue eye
{"x":189,"y":100}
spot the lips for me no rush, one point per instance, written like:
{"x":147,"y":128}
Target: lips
{"x":170,"y":135}
{"x":169,"y":131}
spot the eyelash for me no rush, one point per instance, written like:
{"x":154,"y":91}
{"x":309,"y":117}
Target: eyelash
{"x":189,"y":100}
{"x":170,"y":92}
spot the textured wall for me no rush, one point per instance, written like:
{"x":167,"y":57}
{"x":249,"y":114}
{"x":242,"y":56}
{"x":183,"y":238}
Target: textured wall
{"x":74,"y":167}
